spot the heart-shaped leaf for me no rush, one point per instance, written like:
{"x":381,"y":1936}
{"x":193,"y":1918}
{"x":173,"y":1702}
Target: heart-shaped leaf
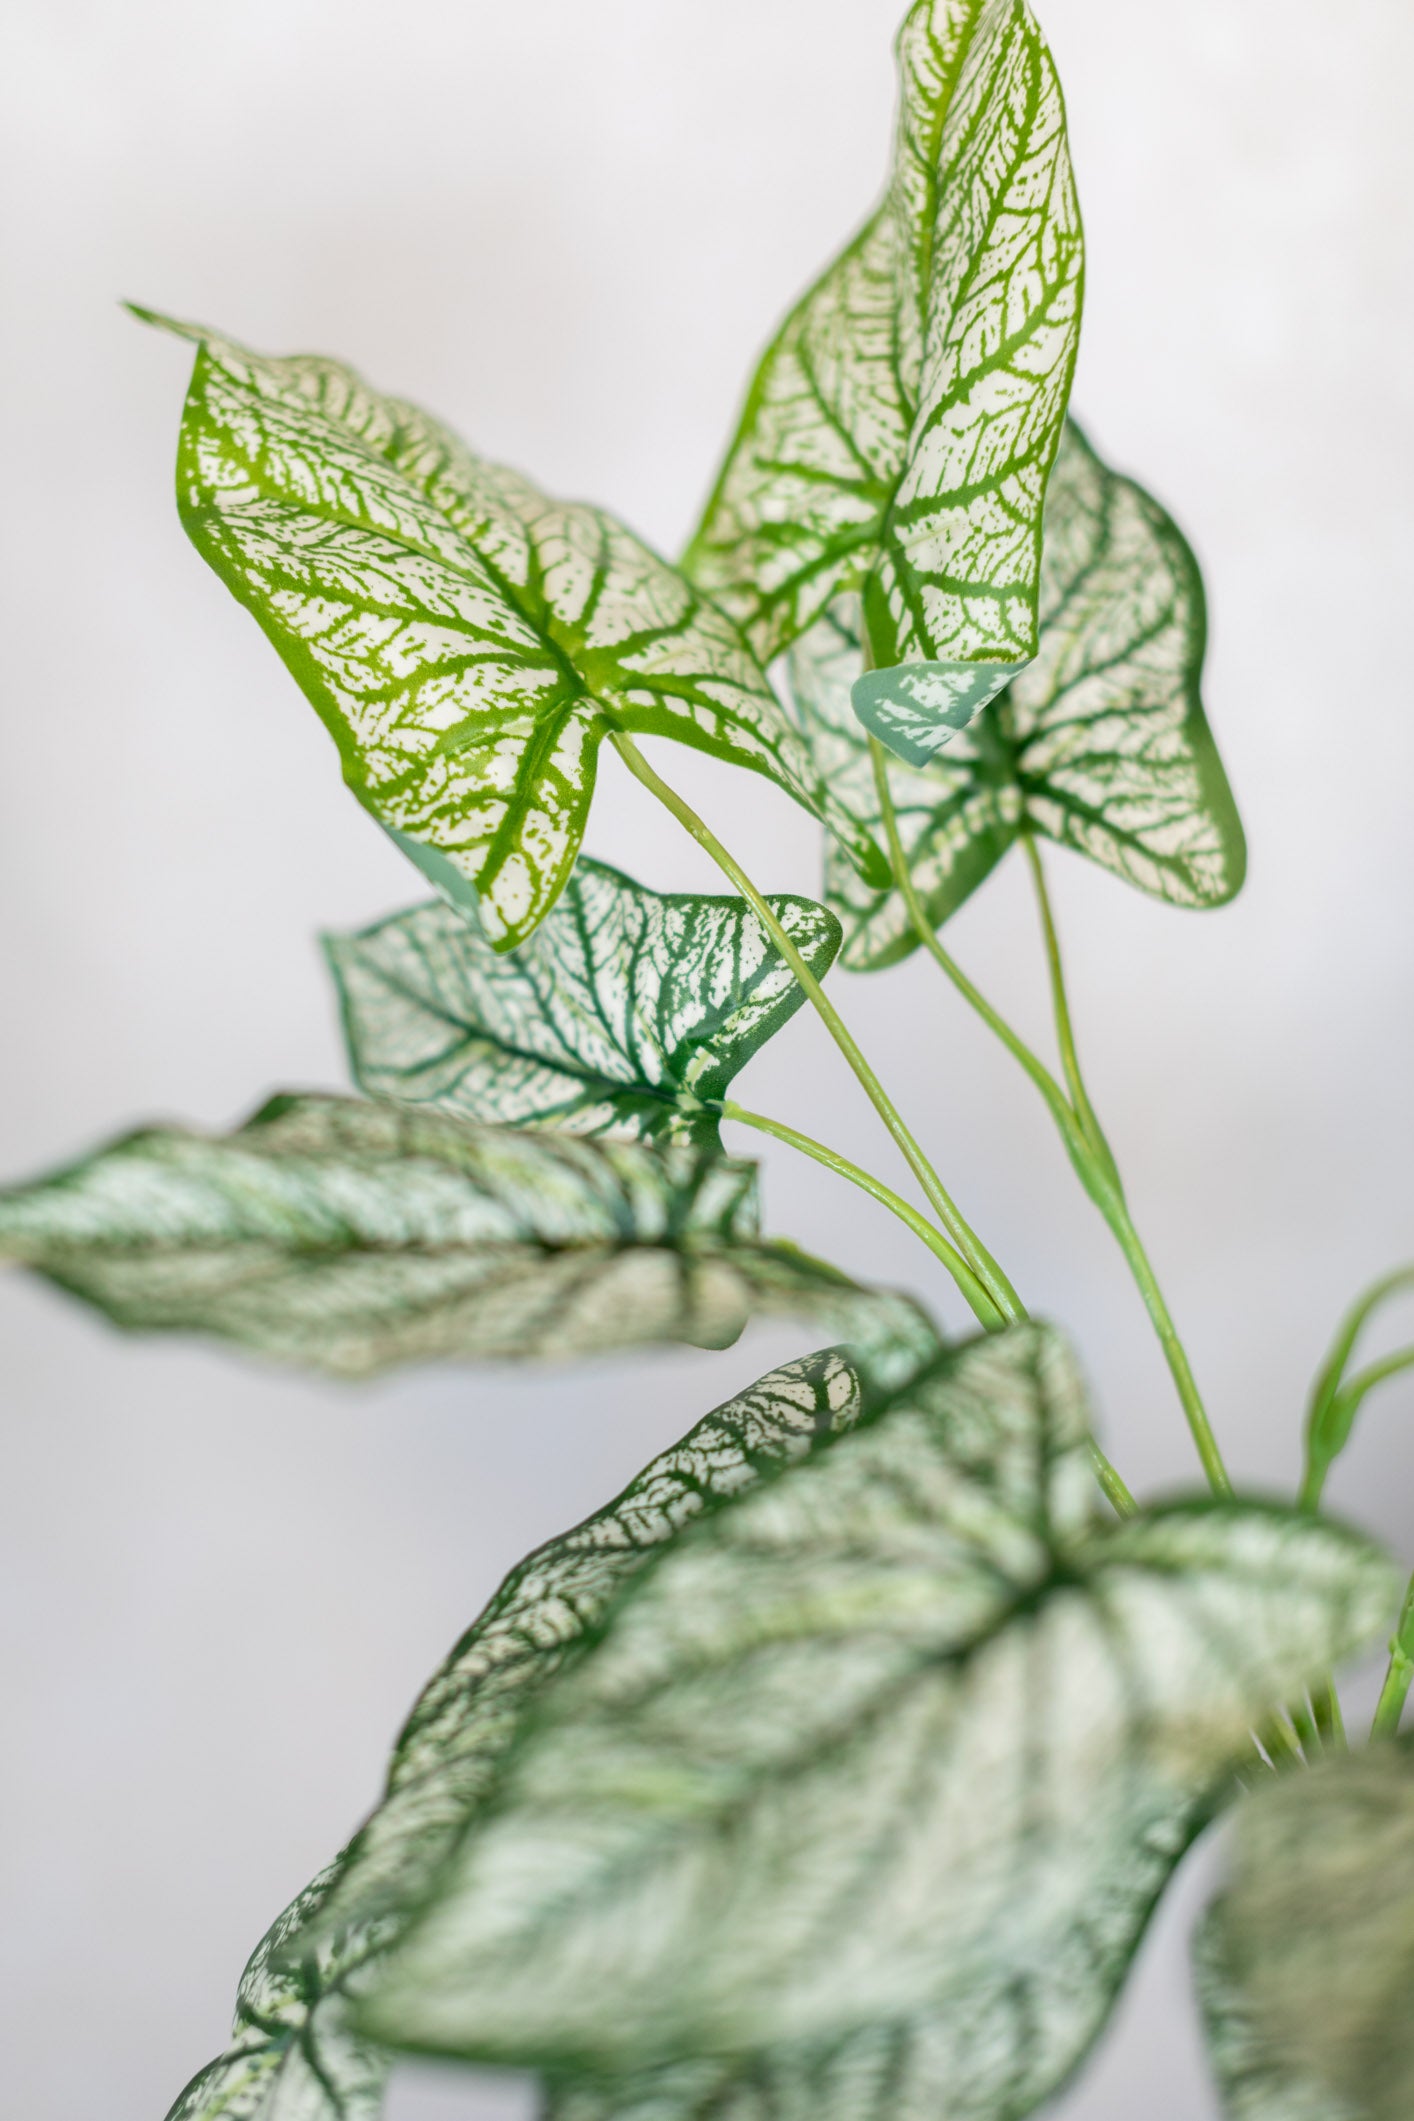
{"x":467,"y":642}
{"x":1101,"y":743}
{"x":293,"y":2056}
{"x":901,"y":1733}
{"x":625,"y":1015}
{"x":351,"y":1236}
{"x":899,"y":431}
{"x":1305,"y":1963}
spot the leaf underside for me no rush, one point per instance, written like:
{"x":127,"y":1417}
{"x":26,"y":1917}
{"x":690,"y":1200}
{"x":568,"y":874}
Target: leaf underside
{"x":882,"y":1766}
{"x":351,"y":1236}
{"x":626,"y":1015}
{"x":1305,"y":1963}
{"x":467,"y":641}
{"x":899,"y":432}
{"x":293,"y":2056}
{"x":1101,"y":744}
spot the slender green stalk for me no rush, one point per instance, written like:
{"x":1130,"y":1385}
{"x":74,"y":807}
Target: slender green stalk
{"x":1115,"y":1491}
{"x":985,"y":1268}
{"x":1395,"y":1691}
{"x":1080,"y":1130}
{"x":951,"y":1258}
{"x":1331,"y":1422}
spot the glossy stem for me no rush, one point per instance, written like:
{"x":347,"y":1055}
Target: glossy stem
{"x":986,"y":1269}
{"x":933,"y":1238}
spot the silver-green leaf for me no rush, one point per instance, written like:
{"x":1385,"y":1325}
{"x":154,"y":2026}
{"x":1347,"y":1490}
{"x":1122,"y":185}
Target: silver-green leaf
{"x":293,"y":2055}
{"x":351,"y":1236}
{"x":1101,"y":744}
{"x":626,"y":1015}
{"x":902,"y":1735}
{"x":899,"y":432}
{"x":467,"y":641}
{"x":1305,"y":1964}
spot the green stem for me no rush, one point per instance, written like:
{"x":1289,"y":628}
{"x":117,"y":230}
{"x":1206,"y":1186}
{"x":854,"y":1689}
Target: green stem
{"x":1395,"y":1691}
{"x":986,"y":1269}
{"x":951,"y":1258}
{"x":1079,"y":1128}
{"x":1330,"y":1423}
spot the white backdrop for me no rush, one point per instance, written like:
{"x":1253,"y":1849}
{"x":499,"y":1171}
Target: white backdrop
{"x":568,"y":228}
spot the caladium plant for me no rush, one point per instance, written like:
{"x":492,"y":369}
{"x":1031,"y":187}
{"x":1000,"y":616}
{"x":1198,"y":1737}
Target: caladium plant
{"x":835,"y":1767}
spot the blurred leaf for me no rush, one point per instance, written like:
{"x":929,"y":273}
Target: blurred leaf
{"x":1305,"y":1964}
{"x":899,"y":431}
{"x":350,"y":1236}
{"x":467,"y":642}
{"x":293,"y":2056}
{"x":625,"y":1015}
{"x":902,"y":1734}
{"x":1101,"y":744}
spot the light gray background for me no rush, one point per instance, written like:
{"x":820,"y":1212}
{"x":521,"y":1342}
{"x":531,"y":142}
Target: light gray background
{"x":568,"y":228}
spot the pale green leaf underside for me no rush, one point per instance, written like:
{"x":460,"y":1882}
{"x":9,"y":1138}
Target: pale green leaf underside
{"x":901,"y":427}
{"x":467,"y":641}
{"x":292,"y":2057}
{"x":901,"y":1735}
{"x":351,"y":1236}
{"x":626,"y":1015}
{"x":1305,"y":1964}
{"x":1101,"y":744}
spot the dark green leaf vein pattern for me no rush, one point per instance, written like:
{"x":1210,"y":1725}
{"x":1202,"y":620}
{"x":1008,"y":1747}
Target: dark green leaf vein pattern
{"x":1101,"y":744}
{"x":901,"y":1741}
{"x":351,"y":1236}
{"x":292,"y":2056}
{"x":625,"y":1015}
{"x":467,"y":641}
{"x":899,"y":432}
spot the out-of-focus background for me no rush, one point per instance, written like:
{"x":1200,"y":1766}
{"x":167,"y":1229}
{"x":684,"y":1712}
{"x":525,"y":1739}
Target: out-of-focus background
{"x":569,"y":229}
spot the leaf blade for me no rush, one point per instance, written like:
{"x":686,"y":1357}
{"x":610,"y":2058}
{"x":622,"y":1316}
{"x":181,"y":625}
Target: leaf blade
{"x":350,"y":1236}
{"x":625,"y":1016}
{"x":676,"y":1803}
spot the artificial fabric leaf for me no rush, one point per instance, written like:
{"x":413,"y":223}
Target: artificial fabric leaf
{"x":1101,"y":744}
{"x":898,"y":434}
{"x":1306,"y":1962}
{"x":467,"y":641}
{"x":901,"y":1734}
{"x":626,"y":1014}
{"x":350,"y":1236}
{"x":293,"y":2056}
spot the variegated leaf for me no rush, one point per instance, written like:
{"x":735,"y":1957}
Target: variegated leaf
{"x":292,"y":2055}
{"x":1305,"y":1963}
{"x":625,"y":1015}
{"x":899,"y":431}
{"x":467,"y":641}
{"x":351,"y":1236}
{"x":1101,"y":744}
{"x":904,"y":1735}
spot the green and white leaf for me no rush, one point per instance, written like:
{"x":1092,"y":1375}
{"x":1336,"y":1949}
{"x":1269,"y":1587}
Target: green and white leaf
{"x":1101,"y":744}
{"x":1305,"y":1964}
{"x":293,"y":2056}
{"x":899,"y":432}
{"x":902,"y":1734}
{"x":351,"y":1236}
{"x":627,"y":1014}
{"x":467,"y":642}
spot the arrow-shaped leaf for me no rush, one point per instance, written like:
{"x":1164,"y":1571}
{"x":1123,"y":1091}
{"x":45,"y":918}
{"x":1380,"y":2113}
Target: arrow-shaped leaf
{"x":1305,"y":1963}
{"x":626,"y":1014}
{"x":900,"y":1734}
{"x":351,"y":1236}
{"x":1101,"y":744}
{"x":292,"y":2056}
{"x":467,"y":642}
{"x":899,"y":431}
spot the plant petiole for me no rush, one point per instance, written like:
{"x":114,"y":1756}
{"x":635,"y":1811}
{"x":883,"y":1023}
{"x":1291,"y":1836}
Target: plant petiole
{"x":968,"y":1243}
